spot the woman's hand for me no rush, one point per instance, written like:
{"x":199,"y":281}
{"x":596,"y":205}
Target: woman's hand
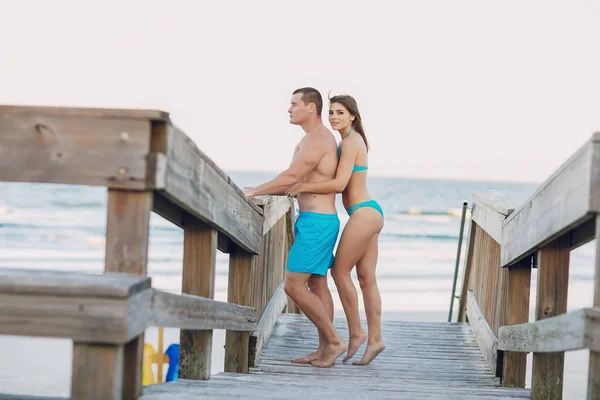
{"x":295,"y":190}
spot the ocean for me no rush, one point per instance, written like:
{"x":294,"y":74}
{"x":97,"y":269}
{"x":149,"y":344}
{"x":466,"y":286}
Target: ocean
{"x":62,"y":227}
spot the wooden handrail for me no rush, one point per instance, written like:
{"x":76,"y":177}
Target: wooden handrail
{"x":194,"y":312}
{"x":148,"y":164}
{"x":490,"y":209}
{"x":191,"y":181}
{"x":137,"y":150}
{"x":563,"y":214}
{"x":576,"y":330}
{"x":565,"y":201}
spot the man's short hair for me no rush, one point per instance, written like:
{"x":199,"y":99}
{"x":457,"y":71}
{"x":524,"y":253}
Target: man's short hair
{"x":311,"y":95}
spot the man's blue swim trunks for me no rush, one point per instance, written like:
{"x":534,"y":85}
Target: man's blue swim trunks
{"x":315,"y":235}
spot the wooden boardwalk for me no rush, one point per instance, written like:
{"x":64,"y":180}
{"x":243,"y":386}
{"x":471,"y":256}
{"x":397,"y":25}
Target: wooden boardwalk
{"x":422,"y":360}
{"x":147,"y":164}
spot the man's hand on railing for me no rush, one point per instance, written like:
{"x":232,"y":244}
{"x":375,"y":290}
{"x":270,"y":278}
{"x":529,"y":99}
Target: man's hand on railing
{"x":249,"y":191}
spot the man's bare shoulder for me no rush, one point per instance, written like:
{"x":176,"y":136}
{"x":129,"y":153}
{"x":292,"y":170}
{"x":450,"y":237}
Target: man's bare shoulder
{"x":324,"y":137}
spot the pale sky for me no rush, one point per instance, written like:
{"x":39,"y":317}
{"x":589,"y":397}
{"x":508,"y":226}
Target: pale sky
{"x":503,"y":90}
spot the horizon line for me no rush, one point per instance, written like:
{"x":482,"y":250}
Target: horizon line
{"x":427,"y":178}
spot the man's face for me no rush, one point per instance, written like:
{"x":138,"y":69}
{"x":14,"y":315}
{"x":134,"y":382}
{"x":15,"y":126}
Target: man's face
{"x":299,"y":112}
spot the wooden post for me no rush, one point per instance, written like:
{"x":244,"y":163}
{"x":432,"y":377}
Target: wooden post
{"x":462,"y":302}
{"x":553,"y":282}
{"x":594,"y":365}
{"x":97,"y":372}
{"x":199,"y":260}
{"x":517,"y":292}
{"x":127,"y":234}
{"x":241,"y":265}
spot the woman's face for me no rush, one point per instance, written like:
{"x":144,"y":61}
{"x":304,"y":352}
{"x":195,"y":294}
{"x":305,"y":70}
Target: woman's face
{"x":339,"y":117}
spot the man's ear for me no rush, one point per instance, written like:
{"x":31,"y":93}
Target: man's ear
{"x":312,"y":107}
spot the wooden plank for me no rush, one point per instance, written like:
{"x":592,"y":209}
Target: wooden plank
{"x":127,"y":236}
{"x":486,"y":275}
{"x":594,"y":142}
{"x":265,"y":326}
{"x":74,"y":150}
{"x":592,"y":328}
{"x":361,"y":383}
{"x":584,"y":233}
{"x":83,"y":319}
{"x":553,"y":281}
{"x":241,"y":265}
{"x":593,"y":390}
{"x":194,"y":312}
{"x":197,"y":185}
{"x":167,"y":209}
{"x":199,"y":258}
{"x":276,"y":207}
{"x":560,"y":204}
{"x":127,"y":231}
{"x":494,"y":200}
{"x":462,"y":303}
{"x":71,"y":284}
{"x":230,"y":388}
{"x":97,"y":371}
{"x":5,"y":396}
{"x":490,"y":209}
{"x":487,"y":341}
{"x":518,"y":285}
{"x":557,"y":334}
{"x":90,"y":112}
{"x":157,"y":166}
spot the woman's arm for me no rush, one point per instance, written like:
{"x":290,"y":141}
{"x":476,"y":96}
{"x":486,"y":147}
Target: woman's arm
{"x":336,"y":185}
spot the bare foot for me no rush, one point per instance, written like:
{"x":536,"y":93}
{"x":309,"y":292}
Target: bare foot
{"x":331,"y":353}
{"x":370,"y":353}
{"x":354,"y":344}
{"x":310,"y":357}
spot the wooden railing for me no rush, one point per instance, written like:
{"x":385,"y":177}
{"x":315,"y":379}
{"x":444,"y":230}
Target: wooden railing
{"x":505,"y":242}
{"x":147,"y":164}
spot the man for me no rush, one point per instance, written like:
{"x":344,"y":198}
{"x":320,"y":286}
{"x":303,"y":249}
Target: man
{"x":315,"y":159}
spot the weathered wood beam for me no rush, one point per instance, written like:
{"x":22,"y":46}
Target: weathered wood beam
{"x":186,"y":311}
{"x":563,"y":202}
{"x":194,"y":183}
{"x":487,"y":341}
{"x":265,"y":326}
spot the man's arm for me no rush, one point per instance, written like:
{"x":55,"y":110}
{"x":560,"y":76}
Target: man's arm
{"x":342,"y":175}
{"x":304,"y":161}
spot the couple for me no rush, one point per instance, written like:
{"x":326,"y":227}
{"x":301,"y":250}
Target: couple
{"x":319,"y":169}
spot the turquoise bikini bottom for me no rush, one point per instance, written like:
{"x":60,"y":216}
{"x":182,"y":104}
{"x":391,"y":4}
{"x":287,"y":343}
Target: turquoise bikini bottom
{"x":368,"y":203}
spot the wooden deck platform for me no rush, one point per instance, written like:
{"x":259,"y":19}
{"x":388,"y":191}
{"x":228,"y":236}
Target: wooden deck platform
{"x":421,"y":361}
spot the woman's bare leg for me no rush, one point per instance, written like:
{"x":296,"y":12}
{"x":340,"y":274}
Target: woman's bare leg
{"x":355,"y":239}
{"x":365,"y":270}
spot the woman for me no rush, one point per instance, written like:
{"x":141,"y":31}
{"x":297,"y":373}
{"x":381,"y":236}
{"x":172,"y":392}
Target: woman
{"x":358,"y":244}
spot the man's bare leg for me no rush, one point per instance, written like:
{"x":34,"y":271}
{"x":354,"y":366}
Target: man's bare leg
{"x":314,"y":309}
{"x":318,"y":285}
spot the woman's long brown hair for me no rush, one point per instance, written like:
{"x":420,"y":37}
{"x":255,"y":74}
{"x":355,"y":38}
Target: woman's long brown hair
{"x":350,"y":104}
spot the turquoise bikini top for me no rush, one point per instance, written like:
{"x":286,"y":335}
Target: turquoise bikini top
{"x":356,"y":168}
